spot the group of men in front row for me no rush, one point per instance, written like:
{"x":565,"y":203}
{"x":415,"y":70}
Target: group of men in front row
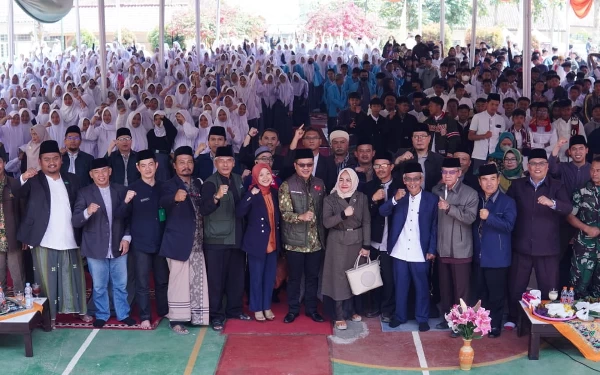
{"x":181,"y":227}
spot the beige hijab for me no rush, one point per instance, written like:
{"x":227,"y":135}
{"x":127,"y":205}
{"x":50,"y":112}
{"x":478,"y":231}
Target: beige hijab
{"x":353,"y":177}
{"x":33,"y":149}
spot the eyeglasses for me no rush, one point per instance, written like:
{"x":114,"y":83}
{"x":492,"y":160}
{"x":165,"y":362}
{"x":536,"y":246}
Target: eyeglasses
{"x":305,"y":166}
{"x":382,"y":165}
{"x":538,"y":164}
{"x":420,"y":136}
{"x":124,"y":139}
{"x":451,"y":172}
{"x":75,"y":138}
{"x":412,"y":179}
{"x":506,"y":160}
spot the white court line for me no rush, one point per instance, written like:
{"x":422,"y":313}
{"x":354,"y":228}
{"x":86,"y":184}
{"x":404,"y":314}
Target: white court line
{"x":420,"y":352}
{"x":80,"y":352}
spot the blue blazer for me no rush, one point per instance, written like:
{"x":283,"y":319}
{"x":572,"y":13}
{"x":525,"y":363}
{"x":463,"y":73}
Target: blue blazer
{"x":336,"y":100}
{"x":428,"y":220}
{"x":181,"y":224}
{"x":258,"y":230}
{"x":493,"y":248}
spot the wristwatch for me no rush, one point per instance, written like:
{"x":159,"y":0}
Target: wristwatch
{"x":216,"y":198}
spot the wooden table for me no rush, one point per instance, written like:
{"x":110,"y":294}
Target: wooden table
{"x":24,"y":324}
{"x":537,"y":330}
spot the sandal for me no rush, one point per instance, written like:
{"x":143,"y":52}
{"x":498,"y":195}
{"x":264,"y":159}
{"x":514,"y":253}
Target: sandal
{"x":86,"y":318}
{"x":356,"y":318}
{"x":179,"y":329}
{"x":269,"y":315}
{"x":341,"y":325}
{"x":259,"y":316}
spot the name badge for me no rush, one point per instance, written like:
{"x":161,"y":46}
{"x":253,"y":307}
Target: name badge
{"x":296,"y":192}
{"x":144,"y":199}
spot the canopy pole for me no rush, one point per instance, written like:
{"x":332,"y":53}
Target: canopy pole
{"x":527,"y":48}
{"x":11,"y":33}
{"x":442,"y":19}
{"x":161,"y":33}
{"x":420,"y":15}
{"x":218,"y":23}
{"x":78,"y":28}
{"x":198,"y":28}
{"x":102,"y":46}
{"x":568,"y":27}
{"x":118,"y":16}
{"x":473,"y":34}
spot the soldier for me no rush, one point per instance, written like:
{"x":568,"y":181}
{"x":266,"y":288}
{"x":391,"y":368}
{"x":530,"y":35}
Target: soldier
{"x":586,"y":204}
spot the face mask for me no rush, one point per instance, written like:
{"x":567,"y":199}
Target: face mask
{"x":505,"y":148}
{"x":14,"y":106}
{"x":364,"y":79}
{"x":465,"y":78}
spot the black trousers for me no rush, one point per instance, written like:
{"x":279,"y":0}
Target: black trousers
{"x":307,"y":264}
{"x":225,"y":272}
{"x":491,"y":290}
{"x":383,"y":298}
{"x":158,"y":265}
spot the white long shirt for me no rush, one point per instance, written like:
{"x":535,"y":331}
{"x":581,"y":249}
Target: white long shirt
{"x":481,"y":124}
{"x":59,"y":233}
{"x":408,"y":246}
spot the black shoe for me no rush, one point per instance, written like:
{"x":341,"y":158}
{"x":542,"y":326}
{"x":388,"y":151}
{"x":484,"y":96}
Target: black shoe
{"x":290,"y":317}
{"x":423,"y":327}
{"x":395,"y":322}
{"x":495,"y":333}
{"x":385,"y":319}
{"x":373,"y":314}
{"x":242,"y":316}
{"x":99,"y":323}
{"x":129,"y":321}
{"x":442,"y":325}
{"x":217,"y":324}
{"x":316,"y":317}
{"x":454,"y":334}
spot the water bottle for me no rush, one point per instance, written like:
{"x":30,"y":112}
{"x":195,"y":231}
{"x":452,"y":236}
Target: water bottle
{"x":571,"y":296}
{"x":2,"y":299}
{"x":564,"y":295}
{"x":28,"y":296}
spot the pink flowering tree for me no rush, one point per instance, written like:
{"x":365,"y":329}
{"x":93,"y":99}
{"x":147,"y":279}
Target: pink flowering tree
{"x":341,"y":17}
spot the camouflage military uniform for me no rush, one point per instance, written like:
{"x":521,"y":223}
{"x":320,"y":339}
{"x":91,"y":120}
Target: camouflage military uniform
{"x":585,"y":273}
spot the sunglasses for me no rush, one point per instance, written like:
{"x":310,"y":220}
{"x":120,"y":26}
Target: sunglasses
{"x":305,"y":165}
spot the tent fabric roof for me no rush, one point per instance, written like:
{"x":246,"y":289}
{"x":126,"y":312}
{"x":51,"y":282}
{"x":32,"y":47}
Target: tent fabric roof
{"x":46,"y":11}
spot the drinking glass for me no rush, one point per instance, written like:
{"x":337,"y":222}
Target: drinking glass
{"x":36,"y":290}
{"x":19,"y":296}
{"x":553,"y":294}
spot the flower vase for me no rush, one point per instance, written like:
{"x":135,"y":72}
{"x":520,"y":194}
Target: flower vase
{"x":465,"y":355}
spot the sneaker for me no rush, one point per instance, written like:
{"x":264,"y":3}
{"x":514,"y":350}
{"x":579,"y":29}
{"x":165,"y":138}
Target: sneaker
{"x":129,"y":321}
{"x":509,"y":326}
{"x":99,"y":323}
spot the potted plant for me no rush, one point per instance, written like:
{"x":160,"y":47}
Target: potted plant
{"x":468,"y":321}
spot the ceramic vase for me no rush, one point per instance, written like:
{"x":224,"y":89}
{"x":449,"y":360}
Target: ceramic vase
{"x":466,"y":355}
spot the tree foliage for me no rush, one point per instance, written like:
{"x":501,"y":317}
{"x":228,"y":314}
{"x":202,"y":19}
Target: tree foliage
{"x":127,"y":37}
{"x":87,"y":38}
{"x":458,"y":12}
{"x":341,"y":17}
{"x":169,"y":38}
{"x":431,"y":32}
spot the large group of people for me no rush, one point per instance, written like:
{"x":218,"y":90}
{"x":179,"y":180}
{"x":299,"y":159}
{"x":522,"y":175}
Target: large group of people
{"x":207,"y":173}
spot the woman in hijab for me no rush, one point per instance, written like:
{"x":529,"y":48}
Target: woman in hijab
{"x":56,"y":128}
{"x":506,"y":141}
{"x":13,"y":135}
{"x":29,"y":154}
{"x":139,"y":141}
{"x":186,"y":132}
{"x":267,"y":94}
{"x":182,"y":96}
{"x":170,"y":108}
{"x":86,"y":145}
{"x":160,"y":141}
{"x":300,"y":90}
{"x":346,"y":214}
{"x":239,"y":121}
{"x":204,"y":124}
{"x":513,"y":168}
{"x":283,"y":109}
{"x":102,"y":130}
{"x":261,"y":240}
{"x":223,"y":119}
{"x":69,"y":112}
{"x":26,"y":119}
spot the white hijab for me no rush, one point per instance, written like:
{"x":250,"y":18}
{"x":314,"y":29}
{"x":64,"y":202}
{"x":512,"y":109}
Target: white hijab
{"x":138,"y":134}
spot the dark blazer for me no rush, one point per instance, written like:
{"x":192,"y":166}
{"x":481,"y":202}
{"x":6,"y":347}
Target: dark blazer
{"x":428,"y":220}
{"x":203,"y":166}
{"x":378,"y":221}
{"x":36,"y":194}
{"x":115,"y":161}
{"x":537,"y":227}
{"x":325,"y":169}
{"x":83,"y":164}
{"x":11,"y":205}
{"x":258,"y":230}
{"x":96,"y":230}
{"x":433,"y":167}
{"x":181,"y":224}
{"x":492,"y":242}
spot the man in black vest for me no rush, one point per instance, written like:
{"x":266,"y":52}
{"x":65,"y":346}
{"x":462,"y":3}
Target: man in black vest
{"x":225,"y":261}
{"x":303,"y":235}
{"x":74,"y":160}
{"x":122,"y":162}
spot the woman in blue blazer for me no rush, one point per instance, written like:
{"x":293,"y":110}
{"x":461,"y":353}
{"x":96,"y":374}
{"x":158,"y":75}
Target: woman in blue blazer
{"x":261,"y":239}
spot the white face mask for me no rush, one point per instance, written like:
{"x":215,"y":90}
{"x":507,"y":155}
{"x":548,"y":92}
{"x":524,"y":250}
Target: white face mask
{"x":465,"y":78}
{"x":505,"y":148}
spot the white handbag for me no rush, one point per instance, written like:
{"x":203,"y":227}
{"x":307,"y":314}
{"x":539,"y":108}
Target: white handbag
{"x":365,"y":277}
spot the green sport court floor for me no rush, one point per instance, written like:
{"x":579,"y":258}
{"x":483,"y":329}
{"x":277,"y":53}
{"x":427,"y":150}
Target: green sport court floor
{"x":81,"y":351}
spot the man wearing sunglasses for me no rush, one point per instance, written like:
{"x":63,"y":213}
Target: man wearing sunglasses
{"x":457,"y":210}
{"x":303,"y":235}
